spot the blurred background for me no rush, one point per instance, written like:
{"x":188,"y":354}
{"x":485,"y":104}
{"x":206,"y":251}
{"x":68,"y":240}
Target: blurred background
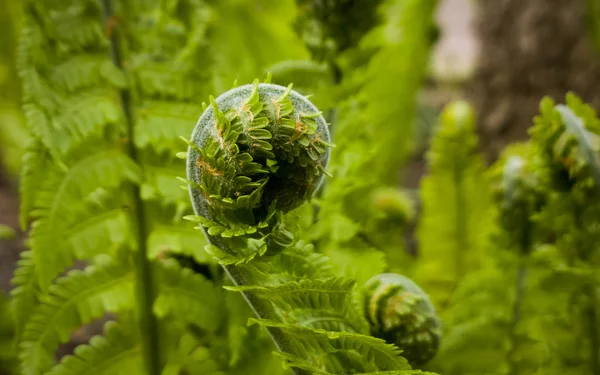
{"x":502,"y":56}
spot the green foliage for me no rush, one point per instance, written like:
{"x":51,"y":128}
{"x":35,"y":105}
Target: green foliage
{"x":453,"y":226}
{"x":372,"y":132}
{"x":257,"y":153}
{"x":105,"y":107}
{"x":8,"y":354}
{"x":534,"y":300}
{"x":291,"y":271}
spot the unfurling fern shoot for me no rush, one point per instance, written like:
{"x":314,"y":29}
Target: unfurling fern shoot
{"x":400,"y":312}
{"x":256,"y":153}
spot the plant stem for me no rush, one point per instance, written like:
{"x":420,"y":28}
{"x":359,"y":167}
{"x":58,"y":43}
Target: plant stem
{"x":261,"y":309}
{"x":461,"y":222}
{"x":461,"y":231}
{"x":146,"y":290}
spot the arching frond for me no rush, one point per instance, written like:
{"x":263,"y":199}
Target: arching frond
{"x":58,"y":203}
{"x":75,"y":299}
{"x":340,"y":352}
{"x":118,"y":352}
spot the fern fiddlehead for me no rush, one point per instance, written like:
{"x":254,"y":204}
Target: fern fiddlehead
{"x":257,"y":152}
{"x":400,"y":312}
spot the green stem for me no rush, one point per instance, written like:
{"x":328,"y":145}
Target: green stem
{"x":146,"y":290}
{"x":461,"y":223}
{"x":262,"y":309}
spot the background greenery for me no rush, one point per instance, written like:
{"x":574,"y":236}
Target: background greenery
{"x":418,"y":188}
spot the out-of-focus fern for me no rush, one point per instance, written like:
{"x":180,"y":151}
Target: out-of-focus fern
{"x":455,"y":216}
{"x":499,"y":337}
{"x":8,"y":354}
{"x":381,"y":78}
{"x":567,"y":138}
{"x":532,"y":306}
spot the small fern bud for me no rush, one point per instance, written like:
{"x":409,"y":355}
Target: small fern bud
{"x":257,"y":152}
{"x":394,"y":204}
{"x":517,"y":192}
{"x":399,"y":312}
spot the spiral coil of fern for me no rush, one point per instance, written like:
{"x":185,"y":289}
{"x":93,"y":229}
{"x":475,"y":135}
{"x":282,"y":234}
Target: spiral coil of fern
{"x":399,"y":312}
{"x":257,"y":152}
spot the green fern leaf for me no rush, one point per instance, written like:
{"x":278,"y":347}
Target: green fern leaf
{"x":25,"y":293}
{"x":58,"y":199}
{"x":340,"y":352}
{"x":330,"y":294}
{"x":152,"y":117}
{"x":178,"y":240}
{"x":192,"y":358}
{"x":75,"y":299}
{"x":87,"y":70}
{"x":188,"y":296}
{"x":118,"y":352}
{"x":294,"y":361}
{"x":32,"y":172}
{"x":453,"y":228}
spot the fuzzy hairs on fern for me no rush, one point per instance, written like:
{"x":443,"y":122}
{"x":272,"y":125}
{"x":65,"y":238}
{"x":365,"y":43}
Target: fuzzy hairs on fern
{"x":256,"y":153}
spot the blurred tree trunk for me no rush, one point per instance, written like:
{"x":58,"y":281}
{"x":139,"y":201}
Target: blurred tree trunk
{"x":528,"y":49}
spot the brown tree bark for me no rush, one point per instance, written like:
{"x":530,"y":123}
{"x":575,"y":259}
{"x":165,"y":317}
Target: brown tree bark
{"x":529,"y":49}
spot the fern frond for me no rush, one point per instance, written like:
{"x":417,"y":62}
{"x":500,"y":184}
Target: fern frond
{"x":395,"y":74}
{"x":297,"y":362}
{"x":118,"y":352}
{"x":271,"y":39}
{"x":329,"y":294}
{"x":453,"y":227}
{"x":58,"y":200}
{"x":32,"y":172}
{"x":161,"y":170}
{"x":188,"y":296}
{"x":25,"y":293}
{"x":153,"y":115}
{"x":63,"y":111}
{"x":75,"y":299}
{"x":86,"y":70}
{"x":106,"y":228}
{"x":86,"y":114}
{"x":192,"y":358}
{"x":340,"y":352}
{"x":178,"y":240}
